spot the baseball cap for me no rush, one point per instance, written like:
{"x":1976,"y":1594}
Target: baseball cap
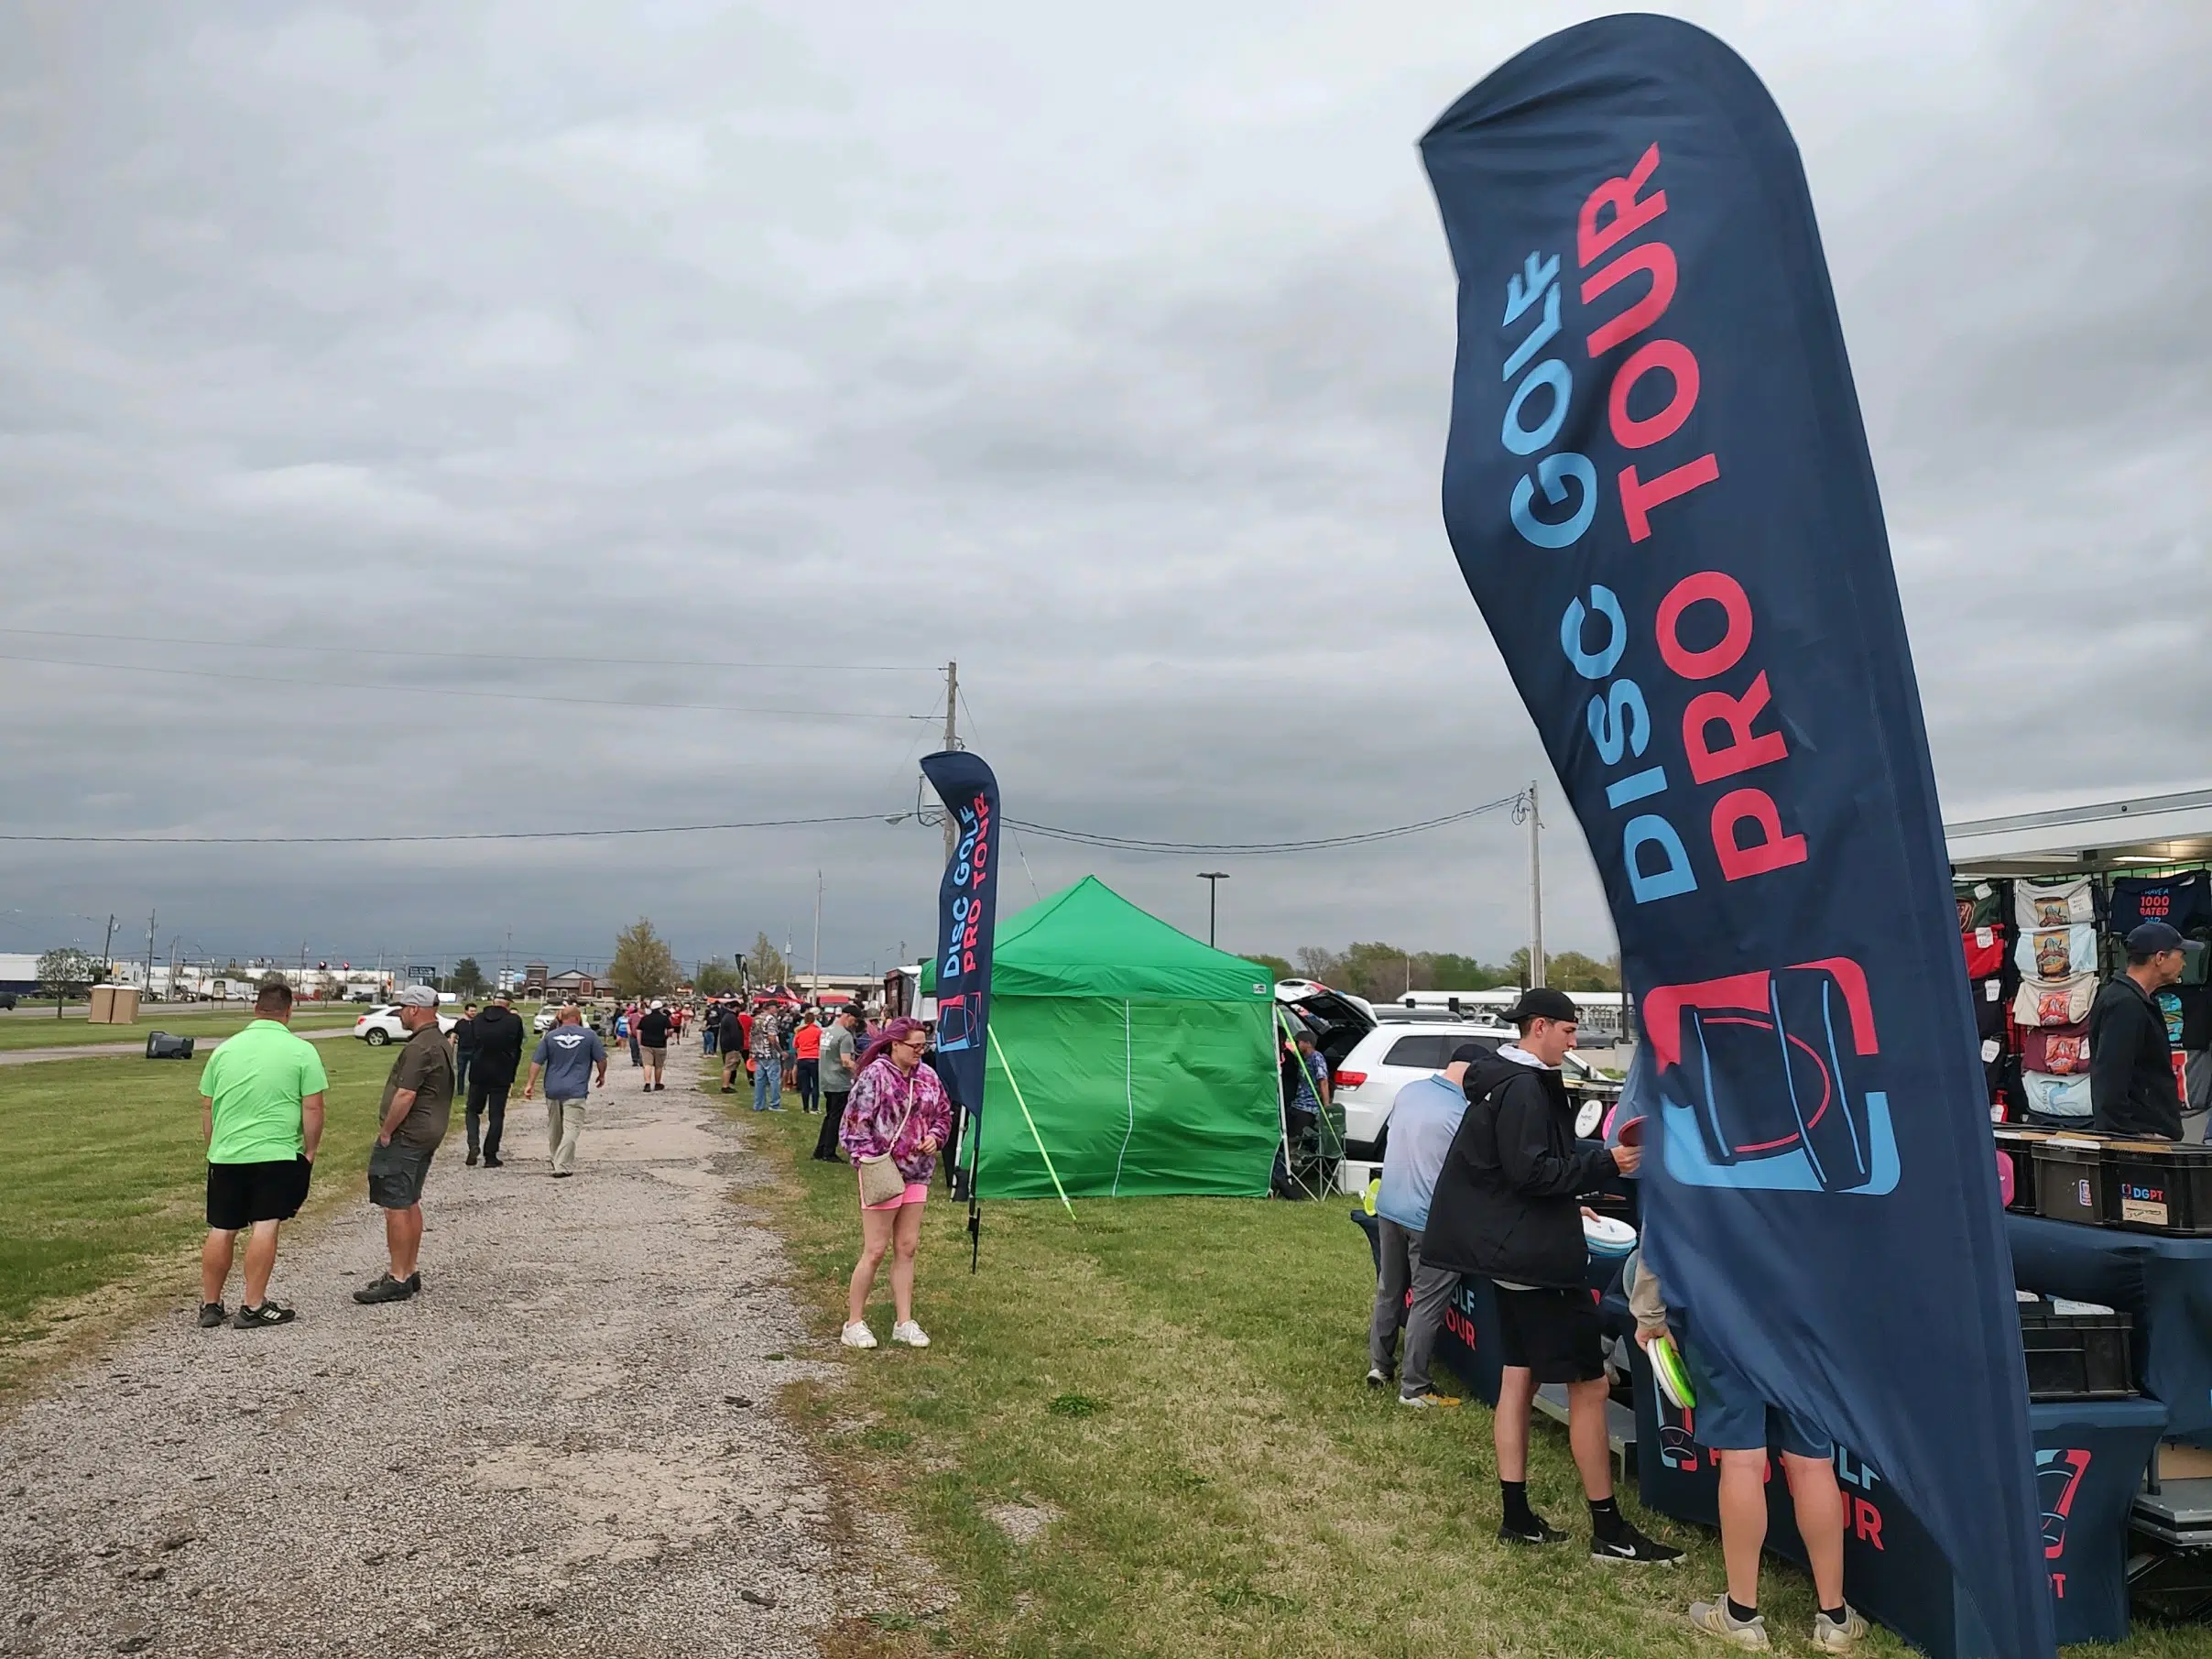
{"x":1467,"y":1051}
{"x":2152,"y":937}
{"x":421,"y":996}
{"x":1541,"y":1002}
{"x":502,"y":996}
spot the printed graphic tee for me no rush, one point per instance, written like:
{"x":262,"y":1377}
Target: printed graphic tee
{"x":568,"y":1053}
{"x":2061,"y":1002}
{"x":2060,"y":1051}
{"x":2056,"y":953}
{"x":1985,"y":949}
{"x":1979,"y":904}
{"x":2181,"y":902}
{"x":2057,"y":1096}
{"x":2057,"y":904}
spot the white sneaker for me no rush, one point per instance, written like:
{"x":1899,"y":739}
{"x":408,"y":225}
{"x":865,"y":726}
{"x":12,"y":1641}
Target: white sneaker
{"x":1833,"y":1637}
{"x":857,"y":1336}
{"x":912,"y":1334}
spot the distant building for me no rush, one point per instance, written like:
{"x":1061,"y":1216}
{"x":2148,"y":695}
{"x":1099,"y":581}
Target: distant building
{"x":573,"y":984}
{"x":533,"y":978}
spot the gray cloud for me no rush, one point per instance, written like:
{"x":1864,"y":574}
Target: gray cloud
{"x":1106,"y":351}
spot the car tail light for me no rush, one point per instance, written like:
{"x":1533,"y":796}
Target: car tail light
{"x":1349,"y":1079}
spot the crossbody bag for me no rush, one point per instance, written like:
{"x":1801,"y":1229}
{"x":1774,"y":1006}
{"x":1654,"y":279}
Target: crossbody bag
{"x":880,"y":1181}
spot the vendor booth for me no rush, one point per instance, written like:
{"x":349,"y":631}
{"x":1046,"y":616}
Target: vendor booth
{"x":1145,"y":1060}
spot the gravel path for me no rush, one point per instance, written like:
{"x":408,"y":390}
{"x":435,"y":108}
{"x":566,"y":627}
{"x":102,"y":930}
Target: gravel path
{"x":565,"y":1444}
{"x":202,"y":1048}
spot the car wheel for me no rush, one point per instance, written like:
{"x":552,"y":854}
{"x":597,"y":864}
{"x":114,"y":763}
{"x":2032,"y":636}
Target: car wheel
{"x":378,"y":1036}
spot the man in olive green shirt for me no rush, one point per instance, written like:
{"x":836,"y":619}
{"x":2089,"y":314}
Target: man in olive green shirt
{"x":261,"y":1116}
{"x":418,"y":1104}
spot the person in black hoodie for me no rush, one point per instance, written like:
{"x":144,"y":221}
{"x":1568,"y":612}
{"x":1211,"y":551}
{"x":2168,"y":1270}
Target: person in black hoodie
{"x":494,"y":1058}
{"x":1505,"y":1207}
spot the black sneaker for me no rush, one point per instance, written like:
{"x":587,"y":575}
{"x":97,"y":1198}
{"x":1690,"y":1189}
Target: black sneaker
{"x":1539,"y":1530}
{"x":1632,"y":1546}
{"x":491,"y":1162}
{"x":388,"y":1289}
{"x":470,"y":1159}
{"x":211,"y":1314}
{"x":268,"y":1313}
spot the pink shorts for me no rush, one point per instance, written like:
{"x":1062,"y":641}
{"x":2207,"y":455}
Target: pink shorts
{"x":917,"y":1191}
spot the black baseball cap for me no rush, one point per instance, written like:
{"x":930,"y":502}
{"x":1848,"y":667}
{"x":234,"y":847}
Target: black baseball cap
{"x":1541,"y":1002}
{"x":1469,"y":1052}
{"x":2152,"y":937}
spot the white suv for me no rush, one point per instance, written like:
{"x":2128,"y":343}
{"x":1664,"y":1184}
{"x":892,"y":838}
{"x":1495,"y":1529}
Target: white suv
{"x":381,"y":1025}
{"x":1397,"y":1052}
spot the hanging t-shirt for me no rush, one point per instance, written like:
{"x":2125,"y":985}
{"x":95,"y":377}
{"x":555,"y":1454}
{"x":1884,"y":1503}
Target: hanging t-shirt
{"x":2181,"y":902}
{"x":2188,"y":1012}
{"x":2196,"y":1081}
{"x":2060,"y":1051}
{"x":2195,"y":962}
{"x":2056,"y":904}
{"x":2056,"y":953}
{"x":1984,"y":948}
{"x":2057,"y":1096}
{"x":2055,"y":1002}
{"x":2167,"y":999}
{"x":1989,"y":1006}
{"x":1979,"y":904}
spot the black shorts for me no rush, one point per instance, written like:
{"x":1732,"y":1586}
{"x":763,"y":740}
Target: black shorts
{"x":1553,"y":1333}
{"x":396,"y":1174}
{"x":238,"y":1195}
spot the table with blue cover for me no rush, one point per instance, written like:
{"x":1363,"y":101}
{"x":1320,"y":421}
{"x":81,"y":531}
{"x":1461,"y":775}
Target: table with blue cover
{"x":2089,"y":1460}
{"x":2164,"y":1283}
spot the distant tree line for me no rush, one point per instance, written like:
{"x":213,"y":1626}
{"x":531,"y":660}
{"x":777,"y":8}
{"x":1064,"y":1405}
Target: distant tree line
{"x":1380,"y":971}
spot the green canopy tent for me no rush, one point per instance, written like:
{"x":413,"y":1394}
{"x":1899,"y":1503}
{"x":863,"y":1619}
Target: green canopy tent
{"x":1147,"y":1059}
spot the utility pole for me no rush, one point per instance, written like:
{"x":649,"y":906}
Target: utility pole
{"x":149,"y":957}
{"x":1213,"y":879}
{"x":107,"y":964}
{"x":506,"y":962}
{"x":815,"y":989}
{"x":1535,"y":894}
{"x":952,"y":740}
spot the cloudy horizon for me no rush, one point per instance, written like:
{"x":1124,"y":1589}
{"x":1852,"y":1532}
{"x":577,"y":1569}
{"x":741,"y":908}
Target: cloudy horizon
{"x":413,"y":411}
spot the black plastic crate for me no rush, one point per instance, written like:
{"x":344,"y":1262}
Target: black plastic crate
{"x":2158,"y":1188}
{"x":2018,"y":1146}
{"x":2074,"y":1182}
{"x":2075,"y":1356}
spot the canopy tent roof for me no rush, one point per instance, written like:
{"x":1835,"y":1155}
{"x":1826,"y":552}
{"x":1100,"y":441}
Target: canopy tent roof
{"x":1088,"y":941}
{"x":2136,"y":835}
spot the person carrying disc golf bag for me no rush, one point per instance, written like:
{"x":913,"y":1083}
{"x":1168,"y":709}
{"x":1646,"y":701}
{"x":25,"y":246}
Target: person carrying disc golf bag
{"x":1737,"y":1426}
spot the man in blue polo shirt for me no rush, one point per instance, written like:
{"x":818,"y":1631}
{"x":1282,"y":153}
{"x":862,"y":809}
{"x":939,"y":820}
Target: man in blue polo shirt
{"x":1423,"y":1117}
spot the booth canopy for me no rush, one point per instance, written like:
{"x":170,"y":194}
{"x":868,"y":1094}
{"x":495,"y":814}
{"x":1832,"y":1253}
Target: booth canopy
{"x":1088,"y":941}
{"x":1147,"y":1060}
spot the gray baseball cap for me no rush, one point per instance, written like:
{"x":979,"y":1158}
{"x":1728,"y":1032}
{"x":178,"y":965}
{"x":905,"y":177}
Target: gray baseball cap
{"x":417,"y":995}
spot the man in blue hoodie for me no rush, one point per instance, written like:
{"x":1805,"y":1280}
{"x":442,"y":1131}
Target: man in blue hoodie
{"x":1424,"y":1115}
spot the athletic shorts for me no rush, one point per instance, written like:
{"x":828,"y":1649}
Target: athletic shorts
{"x":1553,"y":1333}
{"x":396,"y":1173}
{"x":917,"y":1191}
{"x":1731,"y":1416}
{"x":238,"y":1195}
{"x":656,"y":1056}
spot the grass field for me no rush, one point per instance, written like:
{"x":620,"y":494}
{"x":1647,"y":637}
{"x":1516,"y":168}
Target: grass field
{"x":1180,"y":1382}
{"x":104,"y":1176}
{"x":27,"y":1030}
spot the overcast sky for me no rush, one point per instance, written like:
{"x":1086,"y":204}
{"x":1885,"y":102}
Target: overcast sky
{"x":1104,"y":348}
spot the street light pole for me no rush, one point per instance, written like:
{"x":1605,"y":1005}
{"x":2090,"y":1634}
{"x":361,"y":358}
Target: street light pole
{"x":1213,"y":879}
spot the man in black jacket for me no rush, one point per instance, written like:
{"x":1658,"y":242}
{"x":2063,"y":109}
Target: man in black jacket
{"x":2131,"y":1086}
{"x":493,"y":1061}
{"x":1505,"y":1207}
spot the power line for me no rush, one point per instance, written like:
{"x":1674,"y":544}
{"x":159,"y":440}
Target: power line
{"x":456,"y":691}
{"x":384,"y":651}
{"x":1133,"y":844}
{"x":561,"y":834}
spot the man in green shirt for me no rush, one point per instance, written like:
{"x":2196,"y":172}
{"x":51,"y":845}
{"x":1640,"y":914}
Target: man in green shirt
{"x":261,"y":1116}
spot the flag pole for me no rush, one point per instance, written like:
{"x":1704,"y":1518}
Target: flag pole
{"x":975,"y":1131}
{"x":1024,"y":1105}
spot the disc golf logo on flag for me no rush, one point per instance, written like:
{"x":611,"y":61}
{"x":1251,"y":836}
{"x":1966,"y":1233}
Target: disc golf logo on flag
{"x":1659,"y":491}
{"x":967,"y":907}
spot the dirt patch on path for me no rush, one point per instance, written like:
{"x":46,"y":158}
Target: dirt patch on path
{"x":565,"y":1444}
